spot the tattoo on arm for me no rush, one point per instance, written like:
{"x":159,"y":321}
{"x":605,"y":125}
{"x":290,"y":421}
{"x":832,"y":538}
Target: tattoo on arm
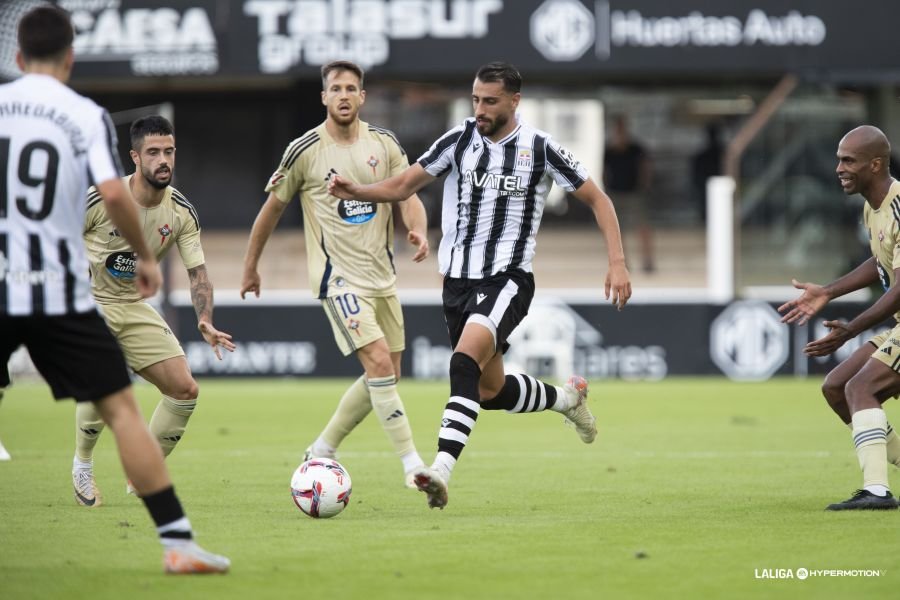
{"x":201,"y":293}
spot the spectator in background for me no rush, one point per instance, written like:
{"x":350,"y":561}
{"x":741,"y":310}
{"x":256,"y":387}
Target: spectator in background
{"x":627,"y":174}
{"x":705,"y":164}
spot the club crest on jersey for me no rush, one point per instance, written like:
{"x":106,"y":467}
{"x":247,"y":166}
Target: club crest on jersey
{"x":880,"y":236}
{"x":373,"y":162}
{"x":356,"y":211}
{"x":353,"y":325}
{"x":523,"y":160}
{"x":164,"y":232}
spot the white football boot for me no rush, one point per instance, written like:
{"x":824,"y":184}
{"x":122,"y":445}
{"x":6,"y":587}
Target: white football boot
{"x":190,"y":559}
{"x":578,"y":413}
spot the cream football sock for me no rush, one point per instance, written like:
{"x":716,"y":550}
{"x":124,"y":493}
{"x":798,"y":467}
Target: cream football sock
{"x":869,"y":433}
{"x":392,"y":414}
{"x":88,"y":426}
{"x":354,"y":406}
{"x":170,"y":420}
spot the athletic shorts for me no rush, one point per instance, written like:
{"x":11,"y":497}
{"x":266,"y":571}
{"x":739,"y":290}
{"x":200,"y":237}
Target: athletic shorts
{"x":144,"y":336}
{"x":360,"y":320}
{"x":498,"y":302}
{"x":888,"y":344}
{"x":76,"y":354}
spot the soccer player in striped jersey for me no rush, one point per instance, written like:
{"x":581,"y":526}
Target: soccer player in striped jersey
{"x":499,"y":171}
{"x":857,"y":387}
{"x":349,"y":247}
{"x":53,"y":142}
{"x":168,"y":220}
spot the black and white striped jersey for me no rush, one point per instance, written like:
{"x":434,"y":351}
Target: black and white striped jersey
{"x":494,"y":196}
{"x":54,"y":144}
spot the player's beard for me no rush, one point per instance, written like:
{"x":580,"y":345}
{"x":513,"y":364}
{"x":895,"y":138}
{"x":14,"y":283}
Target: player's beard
{"x":493,"y":126}
{"x":150,"y":178}
{"x":342,"y":120}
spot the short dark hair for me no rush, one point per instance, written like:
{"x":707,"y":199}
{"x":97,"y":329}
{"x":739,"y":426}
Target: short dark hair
{"x":342,"y":65}
{"x":45,"y":33}
{"x":152,"y":125}
{"x":501,"y":71}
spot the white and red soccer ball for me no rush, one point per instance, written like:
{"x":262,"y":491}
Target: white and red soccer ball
{"x":321,"y":488}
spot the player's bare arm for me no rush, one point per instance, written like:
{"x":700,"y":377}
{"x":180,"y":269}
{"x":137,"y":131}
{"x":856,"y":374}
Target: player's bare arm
{"x":202,"y":299}
{"x":393,"y":189}
{"x":841,"y":331}
{"x":263,"y":226}
{"x":122,"y":212}
{"x":814,"y":297}
{"x":618,"y":281}
{"x":416,"y":220}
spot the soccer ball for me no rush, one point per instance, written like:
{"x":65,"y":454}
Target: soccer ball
{"x":321,"y":487}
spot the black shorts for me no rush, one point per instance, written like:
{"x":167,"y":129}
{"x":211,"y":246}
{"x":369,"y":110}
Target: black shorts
{"x":502,"y":300}
{"x":76,"y":354}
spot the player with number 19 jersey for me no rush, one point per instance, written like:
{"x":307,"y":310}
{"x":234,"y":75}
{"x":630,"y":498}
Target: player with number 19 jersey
{"x":51,"y":150}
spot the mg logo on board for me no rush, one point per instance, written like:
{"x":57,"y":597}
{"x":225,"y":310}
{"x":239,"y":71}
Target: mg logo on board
{"x":562,"y":30}
{"x":748,"y":341}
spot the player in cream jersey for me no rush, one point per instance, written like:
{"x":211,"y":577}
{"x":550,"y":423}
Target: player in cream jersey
{"x":172,"y":222}
{"x":857,"y":387}
{"x":883,"y":228}
{"x":168,"y":220}
{"x":349,"y":249}
{"x":341,"y":235}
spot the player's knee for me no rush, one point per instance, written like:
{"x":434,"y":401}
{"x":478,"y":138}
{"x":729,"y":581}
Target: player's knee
{"x":856,"y":389}
{"x":464,"y":373}
{"x":488,"y":391}
{"x":383,"y":368}
{"x":833,"y":390}
{"x":376,"y":359}
{"x":188,"y":390}
{"x":462,"y":365}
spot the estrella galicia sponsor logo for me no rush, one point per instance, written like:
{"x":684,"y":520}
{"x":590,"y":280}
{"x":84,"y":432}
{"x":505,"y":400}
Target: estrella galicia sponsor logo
{"x":121,"y":265}
{"x":356,"y":211}
{"x":506,"y":185}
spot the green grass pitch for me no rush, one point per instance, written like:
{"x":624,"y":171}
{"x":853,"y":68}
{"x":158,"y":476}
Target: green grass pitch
{"x":693,"y":487}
